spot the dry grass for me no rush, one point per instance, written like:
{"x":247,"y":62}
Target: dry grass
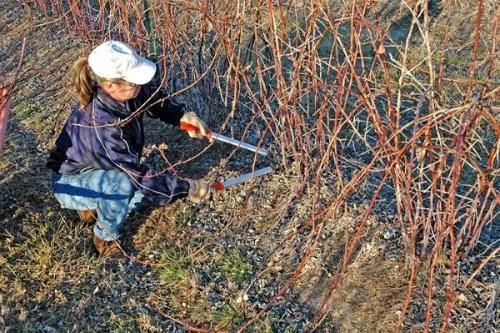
{"x":370,"y":296}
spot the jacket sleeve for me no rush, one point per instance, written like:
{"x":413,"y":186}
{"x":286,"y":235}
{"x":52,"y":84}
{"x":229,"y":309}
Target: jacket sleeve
{"x":160,"y":189}
{"x":161,"y":107}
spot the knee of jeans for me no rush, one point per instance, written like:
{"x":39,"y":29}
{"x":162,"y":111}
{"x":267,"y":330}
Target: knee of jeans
{"x":122,"y":183}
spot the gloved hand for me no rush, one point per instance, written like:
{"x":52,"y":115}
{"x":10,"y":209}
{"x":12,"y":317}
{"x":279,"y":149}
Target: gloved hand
{"x":198,"y":190}
{"x":192,"y":119}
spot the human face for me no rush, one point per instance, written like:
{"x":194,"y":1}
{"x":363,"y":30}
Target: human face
{"x":121,"y":92}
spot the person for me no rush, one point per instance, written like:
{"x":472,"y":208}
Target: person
{"x":96,"y":159}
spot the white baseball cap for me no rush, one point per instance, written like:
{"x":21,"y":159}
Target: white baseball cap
{"x":117,"y":60}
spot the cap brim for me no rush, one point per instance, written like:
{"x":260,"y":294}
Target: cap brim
{"x":143,"y":73}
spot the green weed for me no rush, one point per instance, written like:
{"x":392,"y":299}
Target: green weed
{"x":198,"y":310}
{"x":235,"y":267}
{"x":182,"y":216}
{"x":227,"y":317}
{"x":31,"y":114}
{"x":26,"y":109}
{"x":176,"y":267}
{"x":265,"y":326}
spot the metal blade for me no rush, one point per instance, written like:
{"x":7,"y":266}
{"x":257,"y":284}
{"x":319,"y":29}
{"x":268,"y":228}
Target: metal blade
{"x":240,"y":144}
{"x":246,"y":177}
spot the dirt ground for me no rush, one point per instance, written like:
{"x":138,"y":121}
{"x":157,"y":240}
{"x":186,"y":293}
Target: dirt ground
{"x":213,"y":266}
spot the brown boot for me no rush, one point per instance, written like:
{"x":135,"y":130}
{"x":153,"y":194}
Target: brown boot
{"x":87,"y":216}
{"x":106,"y":248}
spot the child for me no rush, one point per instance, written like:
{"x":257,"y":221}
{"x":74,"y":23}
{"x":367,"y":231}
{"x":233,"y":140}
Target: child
{"x":96,"y":158}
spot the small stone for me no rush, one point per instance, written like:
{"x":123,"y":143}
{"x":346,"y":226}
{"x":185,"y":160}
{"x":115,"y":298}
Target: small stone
{"x":278,"y":268}
{"x":389,"y":233}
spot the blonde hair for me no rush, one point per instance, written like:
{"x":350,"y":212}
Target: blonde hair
{"x":86,"y":82}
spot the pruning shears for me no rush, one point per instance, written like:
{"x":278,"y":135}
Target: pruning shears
{"x":222,"y":138}
{"x":220,"y":186}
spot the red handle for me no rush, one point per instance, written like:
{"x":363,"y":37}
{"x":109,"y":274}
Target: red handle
{"x":191,"y":128}
{"x":218,"y":186}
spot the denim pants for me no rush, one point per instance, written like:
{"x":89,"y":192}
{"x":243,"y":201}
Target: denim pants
{"x":109,"y":192}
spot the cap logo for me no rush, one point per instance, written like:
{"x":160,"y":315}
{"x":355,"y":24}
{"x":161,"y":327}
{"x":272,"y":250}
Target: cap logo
{"x":123,"y":60}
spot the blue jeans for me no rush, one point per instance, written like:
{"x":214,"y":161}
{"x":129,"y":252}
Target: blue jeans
{"x":110,"y":192}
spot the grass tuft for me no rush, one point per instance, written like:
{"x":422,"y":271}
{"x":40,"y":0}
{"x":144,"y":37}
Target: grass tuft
{"x":227,"y":318}
{"x":235,"y":267}
{"x":176,"y":267}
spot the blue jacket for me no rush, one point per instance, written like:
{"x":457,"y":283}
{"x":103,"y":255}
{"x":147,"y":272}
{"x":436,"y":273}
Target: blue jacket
{"x":92,"y":139}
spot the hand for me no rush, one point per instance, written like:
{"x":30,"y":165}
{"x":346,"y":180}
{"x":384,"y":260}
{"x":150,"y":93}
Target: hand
{"x":198,"y":190}
{"x":192,"y":119}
